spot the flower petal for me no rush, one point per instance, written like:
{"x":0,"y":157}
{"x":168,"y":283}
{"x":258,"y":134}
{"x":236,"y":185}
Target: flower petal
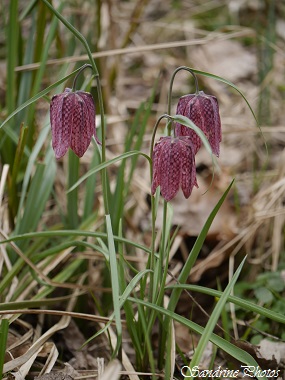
{"x":156,"y":165}
{"x":188,"y":168}
{"x":60,"y":119}
{"x":90,"y":119}
{"x":203,"y":110}
{"x":192,"y":112}
{"x":170,"y":168}
{"x":78,"y":140}
{"x":213,"y":122}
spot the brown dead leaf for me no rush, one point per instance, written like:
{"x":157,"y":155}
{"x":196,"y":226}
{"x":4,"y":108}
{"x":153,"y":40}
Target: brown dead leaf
{"x":213,"y":260}
{"x":191,"y":214}
{"x":74,"y":340}
{"x":265,"y":357}
{"x":17,"y":345}
{"x":54,"y":376}
{"x":68,"y":373}
{"x":270,"y":350}
{"x":184,"y":338}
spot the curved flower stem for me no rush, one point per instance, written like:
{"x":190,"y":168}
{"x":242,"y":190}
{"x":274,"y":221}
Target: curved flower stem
{"x":153,"y":216}
{"x":164,"y":116}
{"x":82,"y":39}
{"x":172,"y":81}
{"x":156,"y":268}
{"x":79,"y":72}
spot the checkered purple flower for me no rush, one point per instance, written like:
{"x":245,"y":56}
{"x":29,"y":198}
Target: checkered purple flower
{"x":202,"y":110}
{"x":173,"y":166}
{"x":72,"y":119}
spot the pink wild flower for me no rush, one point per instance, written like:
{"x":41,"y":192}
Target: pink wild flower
{"x":72,"y":119}
{"x":202,"y":110}
{"x":173,"y":167}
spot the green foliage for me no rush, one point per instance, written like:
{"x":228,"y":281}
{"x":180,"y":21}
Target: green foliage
{"x":4,"y":328}
{"x":267,"y":290}
{"x":44,"y":254}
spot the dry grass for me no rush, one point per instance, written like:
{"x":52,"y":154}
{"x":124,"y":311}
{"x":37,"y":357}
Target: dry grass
{"x":137,"y":45}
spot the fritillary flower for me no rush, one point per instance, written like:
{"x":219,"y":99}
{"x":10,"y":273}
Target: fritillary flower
{"x":202,"y":110}
{"x":72,"y":119}
{"x":173,"y":166}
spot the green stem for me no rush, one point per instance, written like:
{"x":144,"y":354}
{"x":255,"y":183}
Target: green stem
{"x":72,"y":198}
{"x":77,"y":75}
{"x":156,"y":273}
{"x":172,"y":81}
{"x":154,"y":133}
{"x":153,"y":215}
{"x":13,"y":201}
{"x":103,"y":158}
{"x":171,"y":86}
{"x":82,"y":39}
{"x":4,"y":328}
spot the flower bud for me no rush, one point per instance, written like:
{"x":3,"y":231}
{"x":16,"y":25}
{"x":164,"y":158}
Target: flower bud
{"x":173,"y":167}
{"x":202,"y":110}
{"x":72,"y":119}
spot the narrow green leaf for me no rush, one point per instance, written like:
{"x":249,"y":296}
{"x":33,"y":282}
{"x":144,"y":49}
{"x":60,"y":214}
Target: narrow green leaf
{"x":12,"y":185}
{"x":12,"y":47}
{"x":124,"y":297}
{"x":39,"y":192}
{"x":115,"y":282}
{"x":37,"y":96}
{"x":226,"y":346}
{"x":41,"y":53}
{"x":214,"y":319}
{"x":12,"y":44}
{"x":105,"y":165}
{"x":28,"y":304}
{"x":196,"y":250}
{"x":247,"y":305}
{"x":216,"y":77}
{"x":4,"y":328}
{"x":191,"y":260}
{"x":27,"y":9}
{"x":72,"y":197}
{"x":90,"y":186}
{"x":133,"y":141}
{"x":188,"y":123}
{"x":69,"y":233}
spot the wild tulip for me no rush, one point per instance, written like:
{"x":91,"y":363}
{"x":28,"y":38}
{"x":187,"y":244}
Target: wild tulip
{"x":173,"y":167}
{"x":72,"y":118}
{"x":202,"y":110}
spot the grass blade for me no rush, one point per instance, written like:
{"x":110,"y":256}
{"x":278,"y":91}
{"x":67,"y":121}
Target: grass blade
{"x":72,"y":197}
{"x":278,"y":317}
{"x":90,"y":186}
{"x":196,"y":250}
{"x":214,"y":319}
{"x":37,"y":96}
{"x":3,"y":341}
{"x":69,"y":233}
{"x":226,"y":346}
{"x":216,"y":77}
{"x":39,"y":192}
{"x":106,"y":164}
{"x":115,"y":282}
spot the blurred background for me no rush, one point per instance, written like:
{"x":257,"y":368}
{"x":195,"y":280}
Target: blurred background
{"x":137,"y":45}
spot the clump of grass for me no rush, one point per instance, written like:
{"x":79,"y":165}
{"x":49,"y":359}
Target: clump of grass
{"x":41,"y":257}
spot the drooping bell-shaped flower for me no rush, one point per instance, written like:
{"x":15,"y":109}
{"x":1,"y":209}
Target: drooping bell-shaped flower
{"x":202,"y":110}
{"x":72,"y":118}
{"x":173,"y":167}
